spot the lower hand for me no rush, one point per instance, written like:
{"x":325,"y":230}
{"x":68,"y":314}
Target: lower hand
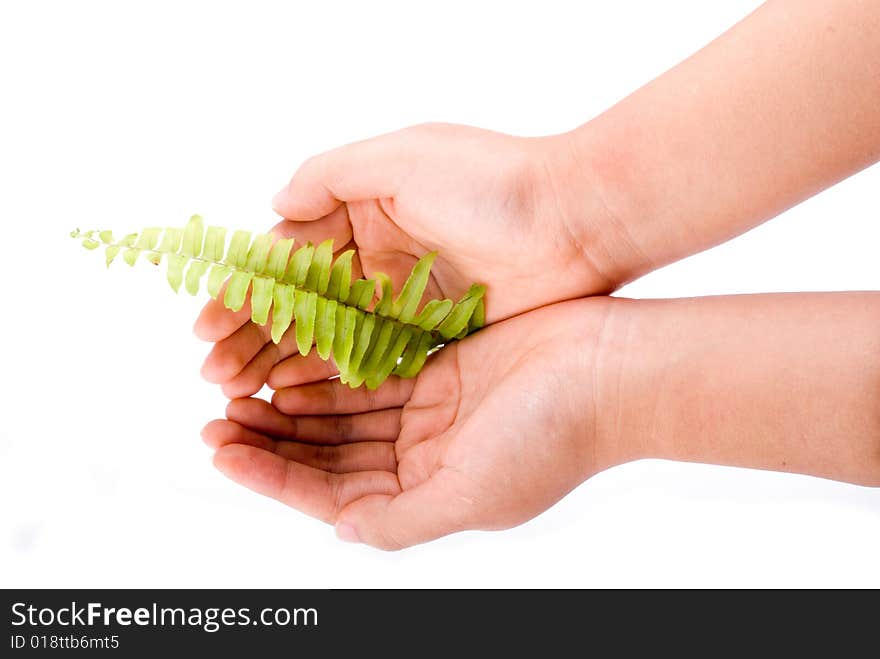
{"x":494,"y":430}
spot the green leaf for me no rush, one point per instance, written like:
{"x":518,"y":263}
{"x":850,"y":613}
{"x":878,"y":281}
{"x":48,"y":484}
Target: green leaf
{"x":406,"y":336}
{"x":236,"y":255}
{"x":304,"y":310}
{"x":258,"y":255}
{"x":383,"y":306}
{"x":215,"y":244}
{"x":278,"y":257}
{"x":282,"y":310}
{"x":413,"y":363}
{"x":386,"y":332}
{"x":461,"y":312}
{"x":194,"y":275}
{"x":343,"y":337}
{"x":433,"y":314}
{"x":216,"y":277}
{"x":407,"y":303}
{"x":237,"y":290}
{"x":325,"y":326}
{"x":340,"y":277}
{"x":369,"y":337}
{"x":261,"y":299}
{"x":318,"y":275}
{"x":363,"y":337}
{"x":171,"y":240}
{"x":148,"y":238}
{"x":111,"y":252}
{"x":130,"y":255}
{"x":478,"y":317}
{"x":298,"y":267}
{"x":176,"y":263}
{"x":193,"y":235}
{"x":361,"y":293}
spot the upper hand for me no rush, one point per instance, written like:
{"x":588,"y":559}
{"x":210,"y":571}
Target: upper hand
{"x":489,"y":203}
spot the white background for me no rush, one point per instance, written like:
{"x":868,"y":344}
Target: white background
{"x":125,"y":115}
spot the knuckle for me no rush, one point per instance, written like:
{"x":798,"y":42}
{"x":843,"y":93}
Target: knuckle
{"x":370,"y":399}
{"x":387,"y":541}
{"x":335,"y":486}
{"x":342,"y":425}
{"x":285,"y":400}
{"x":333,"y":401}
{"x":326,"y":457}
{"x":310,"y":166}
{"x":389,"y":456}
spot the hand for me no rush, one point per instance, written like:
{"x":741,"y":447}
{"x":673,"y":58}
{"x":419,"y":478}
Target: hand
{"x":489,"y":203}
{"x":494,"y":430}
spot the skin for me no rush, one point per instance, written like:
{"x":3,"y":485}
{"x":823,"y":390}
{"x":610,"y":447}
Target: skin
{"x":424,"y":457}
{"x":492,"y":432}
{"x":778,"y":108}
{"x":788,"y":96}
{"x":396,"y":197}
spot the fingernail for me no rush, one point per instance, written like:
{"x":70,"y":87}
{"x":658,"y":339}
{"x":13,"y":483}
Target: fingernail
{"x":279,"y":198}
{"x":346,"y":533}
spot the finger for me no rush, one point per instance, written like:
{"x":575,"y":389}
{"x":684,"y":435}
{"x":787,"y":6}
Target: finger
{"x":334,"y":224}
{"x":251,"y":378}
{"x":364,"y":170}
{"x":230,"y":355}
{"x":216,"y":322}
{"x":221,"y":432}
{"x":315,"y":492}
{"x":342,"y":459}
{"x":334,"y":397}
{"x":437,"y":507}
{"x":258,"y":415}
{"x":297,"y":370}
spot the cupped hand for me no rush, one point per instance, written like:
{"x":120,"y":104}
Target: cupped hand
{"x":494,"y":207}
{"x":494,"y":430}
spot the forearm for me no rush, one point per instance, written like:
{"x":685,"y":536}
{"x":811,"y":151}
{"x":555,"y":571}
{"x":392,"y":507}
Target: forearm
{"x":780,"y":107}
{"x":787,"y":382}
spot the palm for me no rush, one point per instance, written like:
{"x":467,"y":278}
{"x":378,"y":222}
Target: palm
{"x":471,"y":446}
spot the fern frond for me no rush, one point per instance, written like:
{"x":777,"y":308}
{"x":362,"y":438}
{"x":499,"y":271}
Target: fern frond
{"x":369,"y":337}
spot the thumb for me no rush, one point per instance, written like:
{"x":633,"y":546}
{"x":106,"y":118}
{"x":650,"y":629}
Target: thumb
{"x":427,"y":512}
{"x":370,"y":169}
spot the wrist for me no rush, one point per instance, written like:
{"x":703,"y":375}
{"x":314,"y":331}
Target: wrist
{"x":629,"y":378}
{"x":587,"y":191}
{"x":607,"y":407}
